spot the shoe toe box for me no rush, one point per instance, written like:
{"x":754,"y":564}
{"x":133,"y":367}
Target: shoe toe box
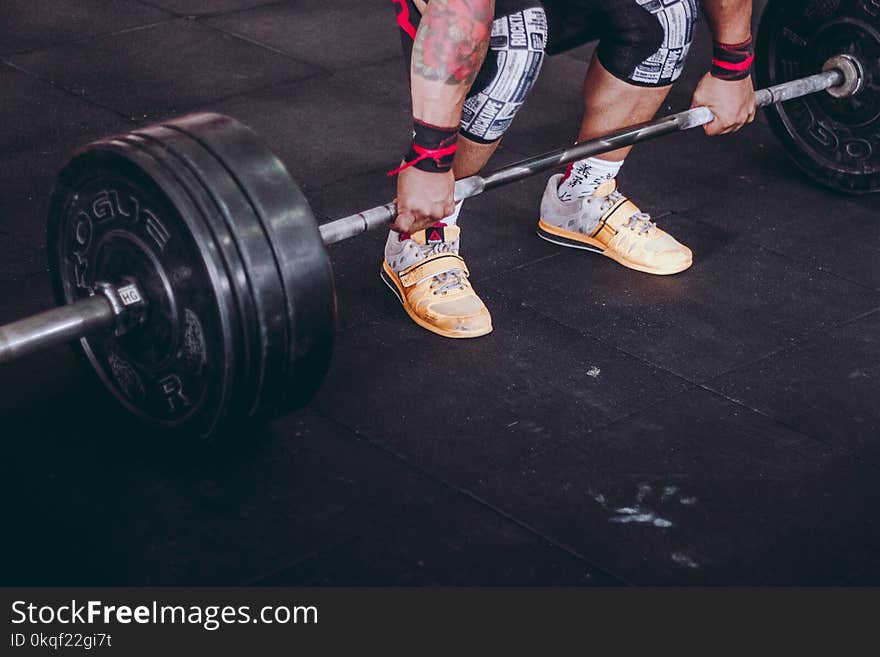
{"x":465,"y":314}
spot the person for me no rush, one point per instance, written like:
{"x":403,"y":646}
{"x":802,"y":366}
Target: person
{"x":472,"y":64}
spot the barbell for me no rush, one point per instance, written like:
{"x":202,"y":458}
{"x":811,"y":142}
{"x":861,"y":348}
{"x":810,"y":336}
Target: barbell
{"x":191,"y":271}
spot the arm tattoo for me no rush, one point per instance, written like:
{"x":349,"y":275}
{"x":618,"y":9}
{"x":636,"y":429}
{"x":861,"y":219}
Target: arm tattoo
{"x":452,"y":40}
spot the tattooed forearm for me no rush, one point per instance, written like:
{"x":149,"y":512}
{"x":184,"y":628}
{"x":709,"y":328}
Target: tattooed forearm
{"x":452,"y":40}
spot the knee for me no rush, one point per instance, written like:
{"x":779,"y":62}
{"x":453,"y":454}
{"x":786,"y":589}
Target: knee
{"x":509,"y":73}
{"x":641,"y":32}
{"x":648,"y":46}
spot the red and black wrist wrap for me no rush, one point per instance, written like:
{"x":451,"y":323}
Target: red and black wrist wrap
{"x":432,"y":150}
{"x":733,"y":61}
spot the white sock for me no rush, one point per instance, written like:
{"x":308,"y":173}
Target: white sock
{"x":451,"y":219}
{"x":584,"y":177}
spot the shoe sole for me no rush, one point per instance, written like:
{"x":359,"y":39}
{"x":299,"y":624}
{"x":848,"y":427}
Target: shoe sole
{"x":394,"y":285}
{"x":585,"y":243}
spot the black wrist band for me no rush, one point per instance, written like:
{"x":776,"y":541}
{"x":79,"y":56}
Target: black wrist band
{"x":433,"y":148}
{"x":733,"y":61}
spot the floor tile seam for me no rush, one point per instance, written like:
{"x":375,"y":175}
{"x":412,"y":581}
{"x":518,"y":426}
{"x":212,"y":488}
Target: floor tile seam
{"x":603,"y":426}
{"x":217,"y":13}
{"x":692,"y":384}
{"x":379,"y":61}
{"x":487,"y":280}
{"x":810,"y":438}
{"x":203,"y":106}
{"x":586,"y":334}
{"x":799,"y":338}
{"x":796,"y":343}
{"x":746,"y":238}
{"x":85,"y":39}
{"x":377,"y":525}
{"x":330,"y":71}
{"x":69,"y":92}
{"x":848,"y":279}
{"x":754,"y":411}
{"x":859,"y":317}
{"x":316,"y":73}
{"x":268,"y":48}
{"x":301,"y":559}
{"x":358,"y":434}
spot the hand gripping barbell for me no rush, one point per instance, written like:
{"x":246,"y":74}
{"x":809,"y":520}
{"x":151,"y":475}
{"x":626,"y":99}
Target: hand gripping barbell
{"x":195,"y":277}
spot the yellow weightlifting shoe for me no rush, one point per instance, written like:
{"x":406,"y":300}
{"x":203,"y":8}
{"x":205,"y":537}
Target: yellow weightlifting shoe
{"x":426,"y":273}
{"x":609,"y":223}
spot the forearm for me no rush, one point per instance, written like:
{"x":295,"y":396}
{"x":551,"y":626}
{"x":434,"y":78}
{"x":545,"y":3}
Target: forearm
{"x":729,"y":20}
{"x":727,"y":88}
{"x":449,"y":49}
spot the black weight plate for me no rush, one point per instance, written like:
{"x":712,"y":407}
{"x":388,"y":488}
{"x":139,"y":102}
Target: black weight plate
{"x":115,"y":212}
{"x":247,"y":256}
{"x":835,"y":141}
{"x":292,"y":232}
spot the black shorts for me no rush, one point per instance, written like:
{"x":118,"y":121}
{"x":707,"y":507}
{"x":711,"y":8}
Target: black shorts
{"x":642,"y":42}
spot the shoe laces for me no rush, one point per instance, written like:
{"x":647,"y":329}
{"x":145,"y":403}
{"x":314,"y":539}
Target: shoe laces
{"x":640,"y":221}
{"x":448,"y":281}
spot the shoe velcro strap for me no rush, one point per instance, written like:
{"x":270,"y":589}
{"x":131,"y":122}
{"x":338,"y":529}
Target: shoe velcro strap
{"x":437,"y":264}
{"x":614,"y":219}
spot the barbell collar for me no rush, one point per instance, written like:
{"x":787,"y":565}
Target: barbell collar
{"x":853,"y":75}
{"x":361,"y":222}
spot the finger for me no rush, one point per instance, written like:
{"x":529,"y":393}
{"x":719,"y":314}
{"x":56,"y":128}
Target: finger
{"x":714,"y":128}
{"x":421,"y":224}
{"x":403,"y":223}
{"x":438,"y":213}
{"x":433,"y":215}
{"x":441,"y":209}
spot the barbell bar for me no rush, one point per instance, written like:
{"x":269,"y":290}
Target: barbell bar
{"x":64,"y":324}
{"x":842,"y":74}
{"x":194,"y":275}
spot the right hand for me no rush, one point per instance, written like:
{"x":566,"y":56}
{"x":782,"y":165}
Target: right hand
{"x":423,"y":198}
{"x":731,"y":101}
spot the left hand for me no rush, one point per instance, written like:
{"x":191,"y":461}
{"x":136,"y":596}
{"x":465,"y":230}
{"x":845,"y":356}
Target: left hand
{"x":732,"y":103}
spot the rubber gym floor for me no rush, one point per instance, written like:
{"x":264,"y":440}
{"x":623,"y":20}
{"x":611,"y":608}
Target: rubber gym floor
{"x":718,"y":427}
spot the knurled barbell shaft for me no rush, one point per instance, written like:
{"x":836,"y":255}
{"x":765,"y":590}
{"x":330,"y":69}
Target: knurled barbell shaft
{"x":54,"y":327}
{"x":342,"y":229}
